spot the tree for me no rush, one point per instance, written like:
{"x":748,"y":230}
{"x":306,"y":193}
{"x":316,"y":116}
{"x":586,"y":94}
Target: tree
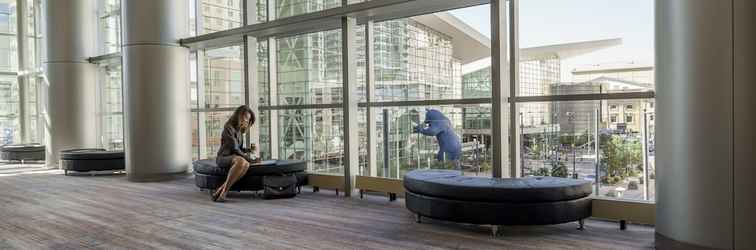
{"x":620,"y":158}
{"x":558,"y":169}
{"x":541,"y":172}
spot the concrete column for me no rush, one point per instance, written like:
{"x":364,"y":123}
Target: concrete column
{"x":70,"y":87}
{"x":744,"y":134}
{"x":157,"y":110}
{"x":22,"y":49}
{"x":705,"y":138}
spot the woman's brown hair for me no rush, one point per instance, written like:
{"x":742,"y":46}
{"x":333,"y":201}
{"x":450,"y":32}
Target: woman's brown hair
{"x":233,"y":121}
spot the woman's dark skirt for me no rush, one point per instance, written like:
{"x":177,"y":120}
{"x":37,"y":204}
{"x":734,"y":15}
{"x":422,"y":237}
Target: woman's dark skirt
{"x":225,"y":162}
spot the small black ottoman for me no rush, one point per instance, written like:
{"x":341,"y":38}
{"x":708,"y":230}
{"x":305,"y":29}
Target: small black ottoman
{"x":91,"y":159}
{"x":208,"y":176}
{"x":22,"y":152}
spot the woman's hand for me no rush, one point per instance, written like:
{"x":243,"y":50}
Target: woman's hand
{"x":252,"y":147}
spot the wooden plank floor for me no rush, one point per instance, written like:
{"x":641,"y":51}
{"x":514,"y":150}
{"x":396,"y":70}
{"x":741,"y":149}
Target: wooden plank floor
{"x":42,"y":209}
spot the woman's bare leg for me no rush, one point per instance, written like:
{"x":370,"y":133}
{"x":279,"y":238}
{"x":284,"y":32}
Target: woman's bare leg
{"x":237,"y":171}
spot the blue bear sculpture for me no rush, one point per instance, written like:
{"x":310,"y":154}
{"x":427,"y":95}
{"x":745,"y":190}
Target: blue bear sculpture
{"x":436,"y":124}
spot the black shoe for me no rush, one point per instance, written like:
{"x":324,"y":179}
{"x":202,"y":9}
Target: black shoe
{"x":217,"y":198}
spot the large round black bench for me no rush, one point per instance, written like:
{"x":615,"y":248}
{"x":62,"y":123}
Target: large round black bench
{"x":208,"y":176}
{"x":446,"y":195}
{"x":22,"y":152}
{"x":91,"y":159}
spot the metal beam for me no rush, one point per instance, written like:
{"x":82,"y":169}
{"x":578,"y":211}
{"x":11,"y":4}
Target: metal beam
{"x":372,"y":134}
{"x":272,"y":82}
{"x":349,"y":106}
{"x":273,"y":95}
{"x":474,"y":101}
{"x":500,"y":92}
{"x":514,"y":85}
{"x":329,"y":19}
{"x":251,"y":86}
{"x":587,"y":97}
{"x":303,"y":106}
{"x":201,"y":120}
{"x":106,"y":59}
{"x":471,"y":101}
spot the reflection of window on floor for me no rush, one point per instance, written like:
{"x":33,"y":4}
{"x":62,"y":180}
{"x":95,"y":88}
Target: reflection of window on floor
{"x":614,"y":118}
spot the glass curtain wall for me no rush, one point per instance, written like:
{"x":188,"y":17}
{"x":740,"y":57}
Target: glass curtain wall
{"x":412,"y":62}
{"x":110,"y":110}
{"x":109,"y":79}
{"x":108,"y":26}
{"x":308,"y":73}
{"x":19,"y":106}
{"x":608,"y":141}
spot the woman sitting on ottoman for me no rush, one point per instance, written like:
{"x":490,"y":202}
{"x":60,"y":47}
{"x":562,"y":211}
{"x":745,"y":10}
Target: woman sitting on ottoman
{"x":232,"y":156}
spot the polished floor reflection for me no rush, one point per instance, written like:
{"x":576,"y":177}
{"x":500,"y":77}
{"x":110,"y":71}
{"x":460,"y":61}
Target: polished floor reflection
{"x":41,"y":208}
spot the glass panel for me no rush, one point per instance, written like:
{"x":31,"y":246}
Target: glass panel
{"x":223,"y":78}
{"x":314,"y":135}
{"x":218,"y":15}
{"x":262,"y":73}
{"x":263,"y":123}
{"x":414,"y":62}
{"x":212,"y":123}
{"x":193,"y":76}
{"x":262,"y":10}
{"x":309,"y":69}
{"x":34,"y":118}
{"x":109,"y":26}
{"x":9,"y":122}
{"x":8,"y":42}
{"x":288,"y":8}
{"x":564,"y":145}
{"x":8,"y":17}
{"x":565,"y":50}
{"x":477,"y":84}
{"x":408,"y":150}
{"x":195,"y":136}
{"x":111,"y":107}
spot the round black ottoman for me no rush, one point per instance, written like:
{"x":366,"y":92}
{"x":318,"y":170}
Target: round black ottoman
{"x":447,"y":195}
{"x":22,"y":152}
{"x":91,"y":159}
{"x":208,"y":176}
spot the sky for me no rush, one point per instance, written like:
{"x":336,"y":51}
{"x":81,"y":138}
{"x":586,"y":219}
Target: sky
{"x":547,"y":22}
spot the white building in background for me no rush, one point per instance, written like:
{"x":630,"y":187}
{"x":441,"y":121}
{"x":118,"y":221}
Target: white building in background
{"x":621,"y":77}
{"x":540,"y":69}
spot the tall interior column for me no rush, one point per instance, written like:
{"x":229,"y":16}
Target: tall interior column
{"x":70,"y":87}
{"x":705,"y":139}
{"x":157,"y":114}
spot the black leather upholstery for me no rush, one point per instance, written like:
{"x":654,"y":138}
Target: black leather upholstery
{"x":499,"y":213}
{"x":90,"y":154}
{"x":209,"y":167}
{"x":17,"y":152}
{"x":446,"y":195}
{"x":207,"y":174}
{"x":91,"y":159}
{"x":450,"y":185}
